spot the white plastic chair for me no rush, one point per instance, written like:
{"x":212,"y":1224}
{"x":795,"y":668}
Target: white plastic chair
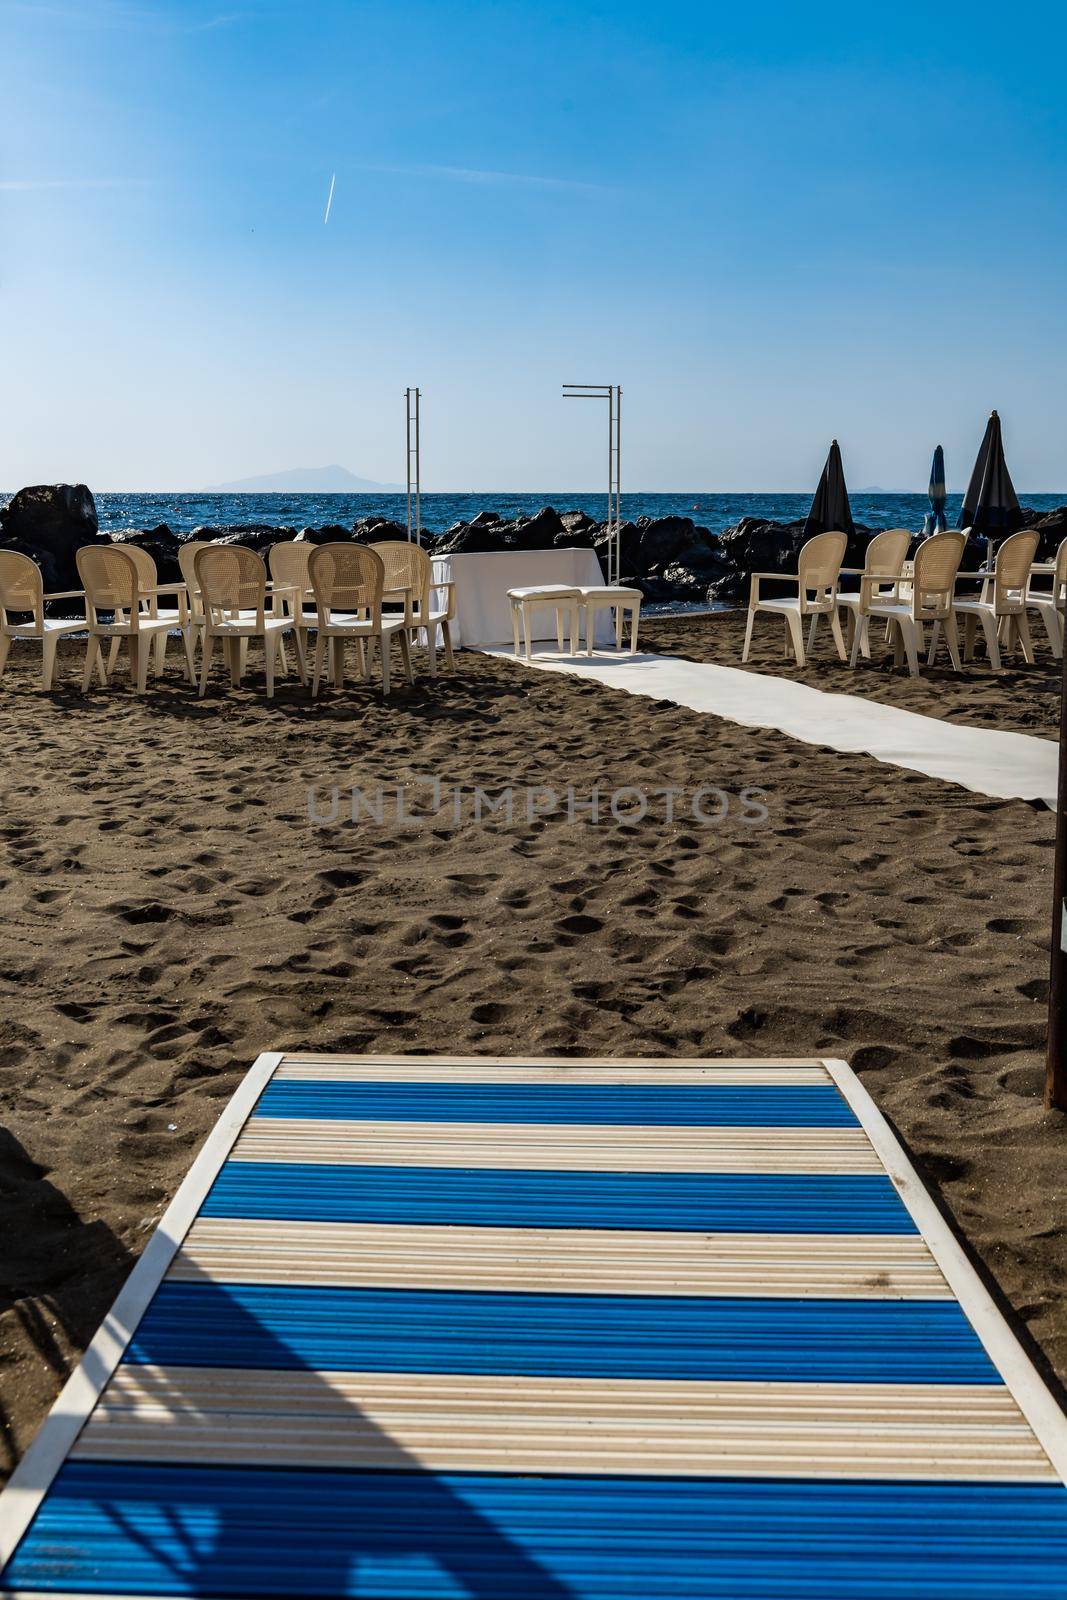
{"x":932,"y":583}
{"x":112,"y":581}
{"x":348,"y":580}
{"x":1006,"y":609}
{"x":818,"y":566}
{"x":879,"y":579}
{"x":409,"y":574}
{"x":177,"y":618}
{"x":22,"y":590}
{"x":233,"y":584}
{"x":1050,"y":604}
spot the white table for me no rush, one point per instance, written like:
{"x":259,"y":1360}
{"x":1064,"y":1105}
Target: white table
{"x":482,"y":580}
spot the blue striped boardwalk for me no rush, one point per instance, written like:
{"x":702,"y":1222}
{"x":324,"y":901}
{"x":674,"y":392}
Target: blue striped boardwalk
{"x":437,"y":1329}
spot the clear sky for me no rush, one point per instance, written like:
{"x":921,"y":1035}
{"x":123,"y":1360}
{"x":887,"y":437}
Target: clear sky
{"x":772,"y":223}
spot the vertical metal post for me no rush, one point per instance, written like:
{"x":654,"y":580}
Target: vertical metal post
{"x":411,"y":400}
{"x":1056,"y":1054}
{"x":612,"y":393}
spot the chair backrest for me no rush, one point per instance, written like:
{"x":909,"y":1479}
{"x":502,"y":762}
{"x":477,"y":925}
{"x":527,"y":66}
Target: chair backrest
{"x":406,"y":564}
{"x":21,"y":586}
{"x":231,"y":578}
{"x":110,"y":578}
{"x":818,"y":567}
{"x":289,"y":564}
{"x":1059,"y":581}
{"x":147,"y":575}
{"x":1012,"y":569}
{"x":187,"y":565}
{"x":887,"y":551}
{"x":347,"y":577}
{"x":937,"y":561}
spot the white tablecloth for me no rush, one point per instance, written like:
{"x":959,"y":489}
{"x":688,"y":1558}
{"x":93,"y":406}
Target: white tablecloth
{"x":482,"y":580}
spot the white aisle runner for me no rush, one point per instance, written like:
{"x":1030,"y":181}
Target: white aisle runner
{"x":1007,"y":766}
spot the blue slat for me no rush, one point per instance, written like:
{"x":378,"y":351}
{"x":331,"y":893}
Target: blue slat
{"x":574,"y":1335}
{"x":417,"y":1536}
{"x":628,"y":1105}
{"x":687,"y":1202}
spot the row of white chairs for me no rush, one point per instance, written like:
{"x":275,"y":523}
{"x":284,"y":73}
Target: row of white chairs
{"x":228,"y":596}
{"x":910,"y":596}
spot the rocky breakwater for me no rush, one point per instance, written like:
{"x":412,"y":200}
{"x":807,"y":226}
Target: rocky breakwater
{"x":667,"y":558}
{"x":50,"y":523}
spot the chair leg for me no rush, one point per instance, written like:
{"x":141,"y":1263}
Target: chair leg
{"x":635,"y":612}
{"x":618,"y":627}
{"x":5,"y":647}
{"x":748,"y":635}
{"x":271,"y":641}
{"x":300,"y":636}
{"x":405,"y":654}
{"x":337,"y":651}
{"x":383,"y":650}
{"x":515,"y":627}
{"x":190,"y":664}
{"x":575,"y":628}
{"x":113,"y":654}
{"x":282,"y":657}
{"x":952,"y":639}
{"x":242,"y":658}
{"x":320,"y":651}
{"x":559,"y":629}
{"x":910,"y":632}
{"x":159,"y":644}
{"x":935,"y":634}
{"x":450,"y":660}
{"x":364,"y":655}
{"x":970,"y":628}
{"x":590,"y":626}
{"x":796,"y":634}
{"x":1022,"y":625}
{"x":859,"y":626}
{"x":207,"y":650}
{"x":48,"y":657}
{"x":526,"y":632}
{"x":431,"y":647}
{"x":812,"y":629}
{"x":835,"y":629}
{"x":989,"y":628}
{"x":91,"y":649}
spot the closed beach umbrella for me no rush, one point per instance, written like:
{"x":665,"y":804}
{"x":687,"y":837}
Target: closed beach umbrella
{"x":991,"y":505}
{"x":830,"y":511}
{"x":936,"y":521}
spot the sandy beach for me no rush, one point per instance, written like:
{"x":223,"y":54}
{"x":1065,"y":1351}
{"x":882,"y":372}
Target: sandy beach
{"x":170,"y":911}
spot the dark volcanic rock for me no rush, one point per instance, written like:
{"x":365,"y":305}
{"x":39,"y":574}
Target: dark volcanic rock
{"x":49,"y":523}
{"x":1051,"y":525}
{"x":758,"y":545}
{"x":162,"y":544}
{"x":539,"y":532}
{"x":464,"y":537}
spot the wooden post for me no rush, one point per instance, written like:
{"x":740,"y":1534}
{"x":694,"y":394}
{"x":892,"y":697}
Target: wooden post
{"x":1056,"y":1056}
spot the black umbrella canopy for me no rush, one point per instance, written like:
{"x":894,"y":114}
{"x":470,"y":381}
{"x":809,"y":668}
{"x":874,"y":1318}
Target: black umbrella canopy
{"x":991,"y":505}
{"x":830,"y":511}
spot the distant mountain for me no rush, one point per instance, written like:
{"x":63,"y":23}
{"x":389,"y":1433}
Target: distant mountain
{"x":305,"y":480}
{"x":875,"y":488}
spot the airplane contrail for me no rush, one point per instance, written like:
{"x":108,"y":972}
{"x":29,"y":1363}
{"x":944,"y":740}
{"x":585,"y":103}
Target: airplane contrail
{"x":329,"y":198}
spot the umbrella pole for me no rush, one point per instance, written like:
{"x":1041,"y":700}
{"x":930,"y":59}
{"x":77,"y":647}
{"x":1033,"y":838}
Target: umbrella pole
{"x":1056,"y":1056}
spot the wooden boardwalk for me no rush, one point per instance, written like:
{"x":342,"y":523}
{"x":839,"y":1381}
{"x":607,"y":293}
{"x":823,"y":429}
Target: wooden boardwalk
{"x":428,"y":1328}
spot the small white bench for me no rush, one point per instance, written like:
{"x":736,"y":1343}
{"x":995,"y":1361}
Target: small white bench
{"x":541,"y":596}
{"x":618,"y":598}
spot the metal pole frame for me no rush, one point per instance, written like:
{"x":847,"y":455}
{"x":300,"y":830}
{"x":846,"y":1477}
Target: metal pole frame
{"x":411,"y":402}
{"x":612,"y":393}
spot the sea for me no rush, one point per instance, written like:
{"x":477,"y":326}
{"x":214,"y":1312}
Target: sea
{"x":184,"y":512}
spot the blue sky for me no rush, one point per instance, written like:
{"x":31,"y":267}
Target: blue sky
{"x":771,"y":223}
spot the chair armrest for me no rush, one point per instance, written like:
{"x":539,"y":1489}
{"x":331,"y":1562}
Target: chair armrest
{"x":851,"y":572}
{"x":67,"y":594}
